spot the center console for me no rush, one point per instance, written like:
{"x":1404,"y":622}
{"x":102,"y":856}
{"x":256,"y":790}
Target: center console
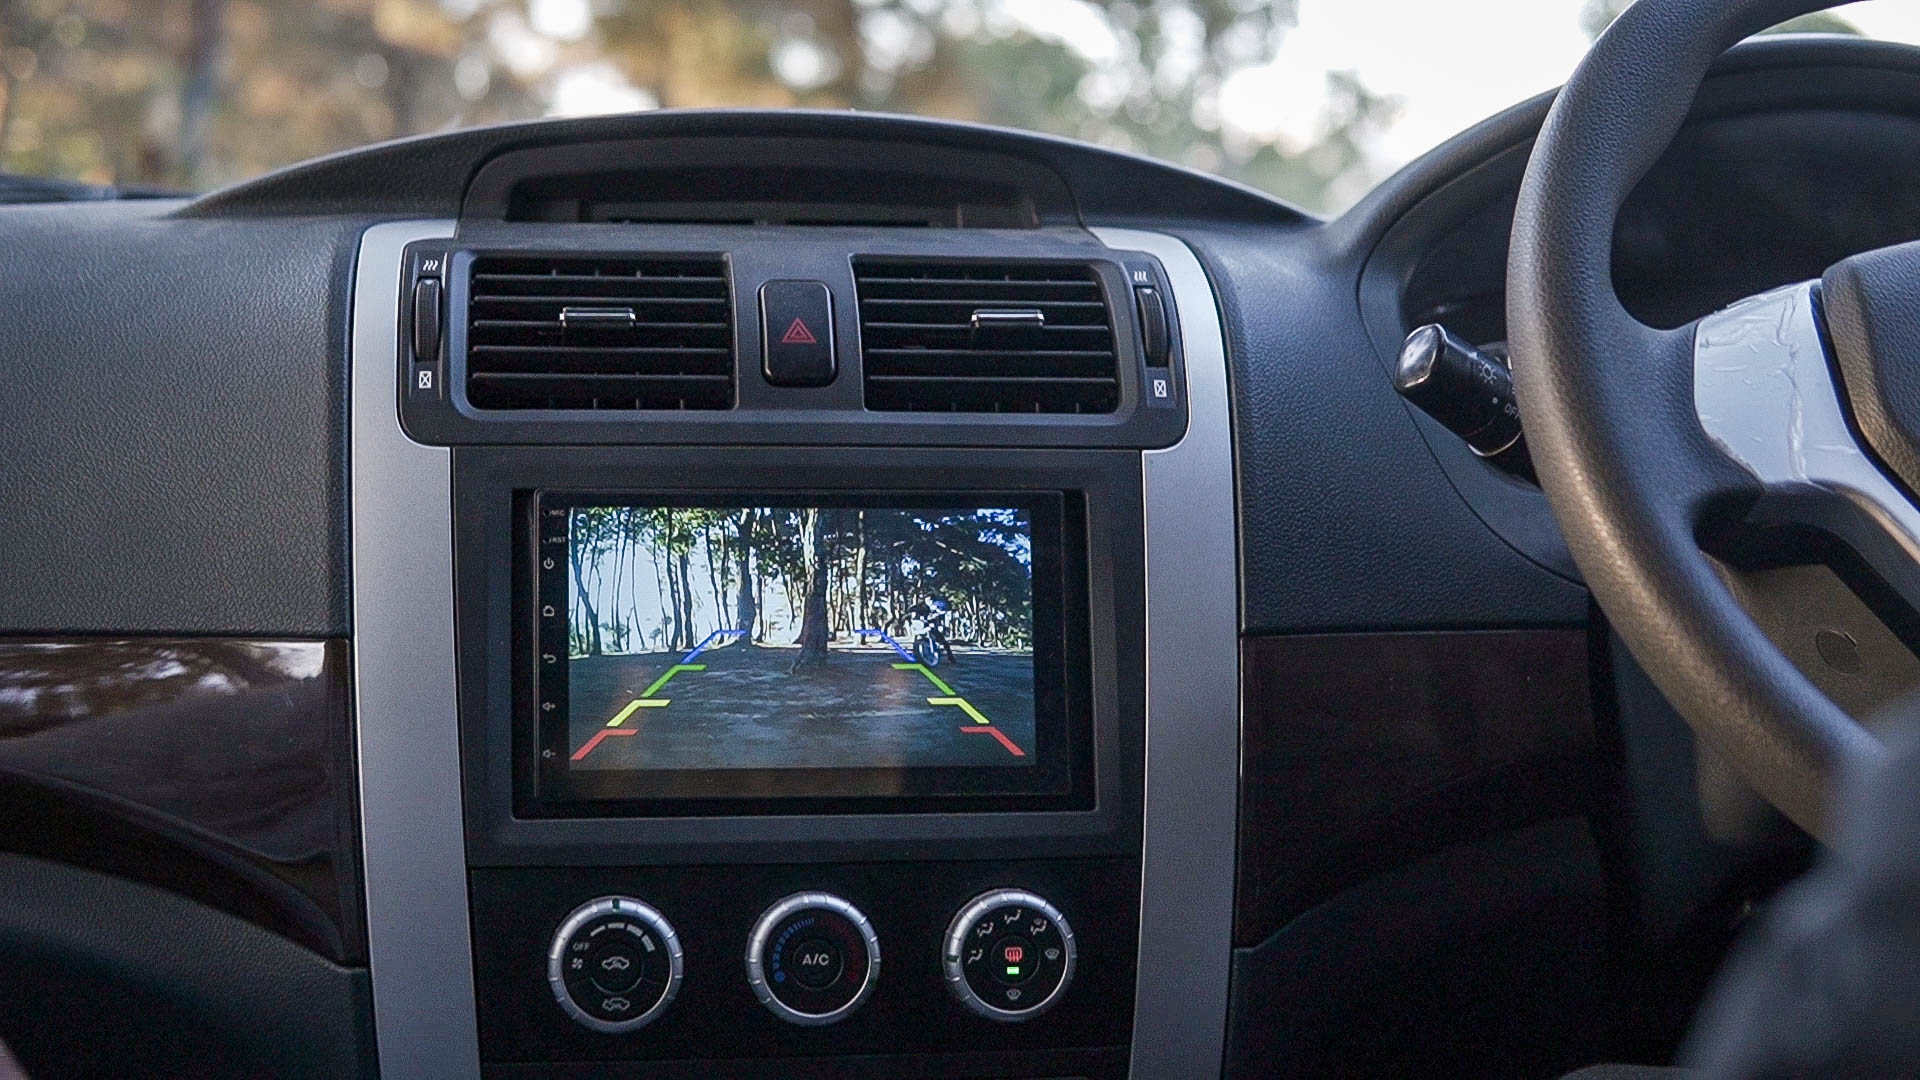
{"x":797,"y":713}
{"x":694,"y":840}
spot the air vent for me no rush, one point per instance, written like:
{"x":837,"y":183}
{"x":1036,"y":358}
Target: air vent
{"x":599,"y":333}
{"x":1001,"y":337}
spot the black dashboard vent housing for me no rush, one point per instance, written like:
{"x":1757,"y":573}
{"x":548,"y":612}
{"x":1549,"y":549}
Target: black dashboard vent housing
{"x":578,"y":332}
{"x":993,"y":337}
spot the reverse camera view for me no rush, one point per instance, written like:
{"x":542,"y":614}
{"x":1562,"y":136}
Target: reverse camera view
{"x":799,"y":637}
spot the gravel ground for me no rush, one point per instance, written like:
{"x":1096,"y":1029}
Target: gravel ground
{"x":748,"y":710}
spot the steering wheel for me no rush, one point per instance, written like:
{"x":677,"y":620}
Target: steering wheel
{"x":1799,"y":405}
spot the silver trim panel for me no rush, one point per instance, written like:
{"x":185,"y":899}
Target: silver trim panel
{"x":414,"y":852}
{"x":641,"y":912}
{"x":757,"y":945}
{"x":404,"y":686}
{"x":955,"y":945}
{"x":1765,"y":393}
{"x":1193,"y":702}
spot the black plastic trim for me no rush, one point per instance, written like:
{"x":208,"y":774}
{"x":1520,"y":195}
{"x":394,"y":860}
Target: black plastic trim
{"x":1469,"y":185}
{"x":768,"y":415}
{"x":843,"y":170}
{"x":428,"y":176}
{"x":107,"y":977}
{"x":486,"y":481}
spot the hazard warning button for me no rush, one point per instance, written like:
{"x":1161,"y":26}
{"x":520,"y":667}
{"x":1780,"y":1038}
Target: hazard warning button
{"x":796,"y":327}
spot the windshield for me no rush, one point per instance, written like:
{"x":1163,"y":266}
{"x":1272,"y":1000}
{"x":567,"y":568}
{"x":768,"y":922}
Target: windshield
{"x":1313,"y":100}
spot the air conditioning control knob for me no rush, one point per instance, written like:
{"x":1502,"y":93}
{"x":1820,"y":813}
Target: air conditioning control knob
{"x":614,"y":965}
{"x":813,"y":959}
{"x":1009,"y":955}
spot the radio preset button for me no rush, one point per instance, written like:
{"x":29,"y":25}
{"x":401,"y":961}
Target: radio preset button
{"x":1009,"y":955}
{"x":614,"y":965}
{"x":813,"y":959}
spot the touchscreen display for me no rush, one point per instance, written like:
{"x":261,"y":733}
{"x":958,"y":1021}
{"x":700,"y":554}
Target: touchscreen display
{"x":795,"y":637}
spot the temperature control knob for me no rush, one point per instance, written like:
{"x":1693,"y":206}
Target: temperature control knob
{"x":1008,"y":955}
{"x":813,"y":959}
{"x":614,"y":964}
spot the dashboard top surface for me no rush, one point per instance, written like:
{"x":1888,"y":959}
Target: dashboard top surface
{"x":214,"y":423}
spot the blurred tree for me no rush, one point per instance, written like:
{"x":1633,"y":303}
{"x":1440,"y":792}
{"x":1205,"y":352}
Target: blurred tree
{"x":195,"y":93}
{"x":1143,"y":76}
{"x":1599,"y":14}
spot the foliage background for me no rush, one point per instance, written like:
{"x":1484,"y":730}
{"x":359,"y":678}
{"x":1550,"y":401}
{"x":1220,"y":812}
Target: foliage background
{"x":192,"y":94}
{"x":661,"y":579}
{"x":196,"y":93}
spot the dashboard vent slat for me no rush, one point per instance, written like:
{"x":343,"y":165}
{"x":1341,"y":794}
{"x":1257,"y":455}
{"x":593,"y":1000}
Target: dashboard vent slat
{"x":528,"y":346}
{"x":931,"y":343}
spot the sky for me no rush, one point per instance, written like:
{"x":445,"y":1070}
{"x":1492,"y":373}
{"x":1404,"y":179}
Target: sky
{"x":1447,"y":63}
{"x":1451,"y":63}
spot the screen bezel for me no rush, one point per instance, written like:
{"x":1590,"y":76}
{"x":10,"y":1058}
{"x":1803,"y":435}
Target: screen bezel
{"x":1059,"y":778}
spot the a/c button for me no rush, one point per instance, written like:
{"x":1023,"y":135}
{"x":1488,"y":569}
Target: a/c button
{"x":815,"y":962}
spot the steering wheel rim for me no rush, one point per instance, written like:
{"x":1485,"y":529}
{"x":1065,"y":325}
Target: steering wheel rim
{"x":1612,"y":421}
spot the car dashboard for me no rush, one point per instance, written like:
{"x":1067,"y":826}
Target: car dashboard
{"x":318,"y":759}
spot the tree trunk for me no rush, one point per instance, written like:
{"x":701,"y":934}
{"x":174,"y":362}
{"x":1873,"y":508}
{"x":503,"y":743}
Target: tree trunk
{"x":676,"y":627}
{"x":200,"y":95}
{"x":813,"y":618}
{"x":893,"y":596}
{"x":744,"y":610}
{"x":10,"y":89}
{"x":660,"y":591}
{"x":586,"y":602}
{"x":619,"y":574}
{"x":836,"y":590}
{"x":723,"y":596}
{"x":633,"y":586}
{"x":862,"y":616}
{"x":713,"y":579}
{"x":686,"y":600}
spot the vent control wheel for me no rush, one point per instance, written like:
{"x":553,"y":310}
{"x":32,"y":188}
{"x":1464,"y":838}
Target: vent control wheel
{"x":614,"y":965}
{"x":1009,"y":955}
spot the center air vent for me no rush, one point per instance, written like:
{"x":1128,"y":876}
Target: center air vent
{"x":599,"y":333}
{"x":1001,"y":337}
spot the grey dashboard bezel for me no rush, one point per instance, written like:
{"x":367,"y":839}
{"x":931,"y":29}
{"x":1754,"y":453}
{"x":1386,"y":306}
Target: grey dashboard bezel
{"x":413,"y":853}
{"x":1193,"y":702}
{"x":406,"y":693}
{"x":831,"y":415}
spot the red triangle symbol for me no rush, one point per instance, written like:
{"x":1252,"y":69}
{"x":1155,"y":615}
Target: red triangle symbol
{"x":798,"y":334}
